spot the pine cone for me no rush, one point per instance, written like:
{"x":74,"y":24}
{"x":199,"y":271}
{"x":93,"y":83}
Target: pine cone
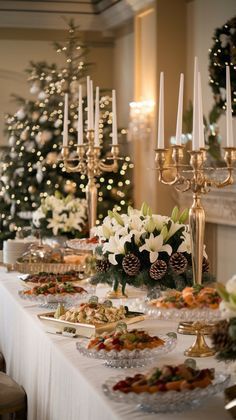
{"x":205,"y":265}
{"x":158,"y":270}
{"x":102,"y":266}
{"x":220,"y":336}
{"x":178,"y":262}
{"x":131,"y":264}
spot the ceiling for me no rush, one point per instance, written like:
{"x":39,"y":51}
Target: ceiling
{"x":91,"y":14}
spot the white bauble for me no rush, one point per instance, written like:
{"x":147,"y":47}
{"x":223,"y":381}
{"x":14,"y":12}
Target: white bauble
{"x":12,"y":141}
{"x":58,"y":123}
{"x":42,"y":95}
{"x":39,"y":175}
{"x":20,"y":114}
{"x":43,"y":119}
{"x":34,"y":88}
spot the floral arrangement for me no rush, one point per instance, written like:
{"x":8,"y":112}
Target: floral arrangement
{"x":141,"y":248}
{"x":224,"y":333}
{"x":59,"y":215}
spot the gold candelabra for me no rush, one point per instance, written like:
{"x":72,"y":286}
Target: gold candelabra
{"x":88,"y":162}
{"x":197,"y":180}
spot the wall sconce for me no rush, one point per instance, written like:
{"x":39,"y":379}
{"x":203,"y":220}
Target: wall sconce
{"x":141,"y":120}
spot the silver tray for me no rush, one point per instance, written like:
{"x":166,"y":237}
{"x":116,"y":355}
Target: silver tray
{"x":57,"y":268}
{"x":86,"y":330}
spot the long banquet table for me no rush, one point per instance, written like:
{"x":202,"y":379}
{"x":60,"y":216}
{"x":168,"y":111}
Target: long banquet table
{"x":60,"y":383}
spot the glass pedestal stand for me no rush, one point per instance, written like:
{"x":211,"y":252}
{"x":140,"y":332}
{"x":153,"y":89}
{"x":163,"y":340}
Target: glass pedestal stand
{"x":199,"y":348}
{"x":187,"y":328}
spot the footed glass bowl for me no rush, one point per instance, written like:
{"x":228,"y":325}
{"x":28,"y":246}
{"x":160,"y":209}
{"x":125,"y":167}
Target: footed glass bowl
{"x":51,"y":301}
{"x":169,"y":401}
{"x":126,"y":358}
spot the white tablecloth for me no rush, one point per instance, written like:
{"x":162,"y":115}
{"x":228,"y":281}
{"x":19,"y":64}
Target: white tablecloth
{"x":60,"y":383}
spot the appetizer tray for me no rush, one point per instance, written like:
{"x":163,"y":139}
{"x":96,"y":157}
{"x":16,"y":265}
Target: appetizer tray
{"x":86,"y":330}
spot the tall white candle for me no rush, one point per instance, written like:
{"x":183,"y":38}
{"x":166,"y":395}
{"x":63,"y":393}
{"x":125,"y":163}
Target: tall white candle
{"x":88,"y":104}
{"x":195,"y":134}
{"x":201,"y":124}
{"x":91,"y":105}
{"x":229,"y":119}
{"x":65,"y":124}
{"x":160,"y":134}
{"x":180,"y":111}
{"x":80,"y":118}
{"x":114,"y":119}
{"x":96,"y":122}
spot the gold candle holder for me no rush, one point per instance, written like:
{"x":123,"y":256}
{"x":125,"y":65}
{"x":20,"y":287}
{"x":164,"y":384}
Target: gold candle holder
{"x":197,"y":181}
{"x":88,"y":162}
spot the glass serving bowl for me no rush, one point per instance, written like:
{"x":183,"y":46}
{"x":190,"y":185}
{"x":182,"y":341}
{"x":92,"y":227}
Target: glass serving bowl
{"x":126,"y":358}
{"x":51,"y":301}
{"x":82,"y":245}
{"x":170,"y":401}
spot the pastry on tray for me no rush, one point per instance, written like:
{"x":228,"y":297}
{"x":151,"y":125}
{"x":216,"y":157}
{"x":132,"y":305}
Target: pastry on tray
{"x":52,"y":288}
{"x":94,"y":313}
{"x":70,"y":276}
{"x":167,"y":378}
{"x":125,"y":340}
{"x":197,"y":296}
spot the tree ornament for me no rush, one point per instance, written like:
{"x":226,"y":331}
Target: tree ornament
{"x":70,"y":187}
{"x":158,"y":270}
{"x":131,"y":264}
{"x":24,"y":135}
{"x":12,"y":141}
{"x":34,"y":88}
{"x":178,"y":262}
{"x":42,"y":95}
{"x":205,"y":265}
{"x":20,"y":114}
{"x":102,"y":265}
{"x":32,"y":189}
{"x":220,"y":336}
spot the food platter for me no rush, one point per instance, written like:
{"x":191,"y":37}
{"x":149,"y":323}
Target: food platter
{"x":82,"y":329}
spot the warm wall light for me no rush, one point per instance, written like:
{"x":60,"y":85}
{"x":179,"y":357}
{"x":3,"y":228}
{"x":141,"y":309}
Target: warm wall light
{"x":141,"y":117}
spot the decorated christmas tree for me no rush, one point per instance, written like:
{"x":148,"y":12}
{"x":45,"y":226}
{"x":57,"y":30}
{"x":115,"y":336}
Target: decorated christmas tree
{"x":32,"y":169}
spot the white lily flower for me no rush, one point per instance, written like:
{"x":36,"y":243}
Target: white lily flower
{"x":173,"y":229}
{"x":154,"y":245}
{"x":186,"y":246}
{"x":159,"y":221}
{"x":115,"y":246}
{"x":228,"y":309}
{"x":231,"y":285}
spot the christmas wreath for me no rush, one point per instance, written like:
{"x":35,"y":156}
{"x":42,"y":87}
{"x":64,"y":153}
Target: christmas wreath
{"x":222,"y":53}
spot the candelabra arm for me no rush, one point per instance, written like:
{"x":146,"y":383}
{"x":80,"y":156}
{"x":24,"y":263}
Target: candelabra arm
{"x":160,"y":159}
{"x":113,"y":167}
{"x":66,"y":161}
{"x":197,"y":229}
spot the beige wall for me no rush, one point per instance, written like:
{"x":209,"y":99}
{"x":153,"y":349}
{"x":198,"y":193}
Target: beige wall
{"x":29,"y":45}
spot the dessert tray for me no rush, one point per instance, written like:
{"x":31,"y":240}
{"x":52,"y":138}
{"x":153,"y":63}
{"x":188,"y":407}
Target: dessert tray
{"x":129,"y":358}
{"x":151,"y":399}
{"x":92,"y":326}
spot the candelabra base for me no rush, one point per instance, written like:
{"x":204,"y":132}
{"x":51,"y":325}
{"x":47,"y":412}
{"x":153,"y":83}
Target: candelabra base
{"x":199,"y":348}
{"x":116,"y":294}
{"x":187,"y":328}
